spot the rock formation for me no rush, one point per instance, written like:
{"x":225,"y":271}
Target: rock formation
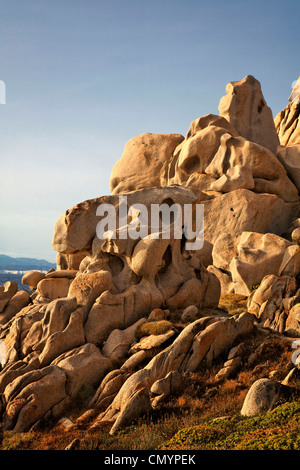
{"x":80,"y":324}
{"x":287,"y":122}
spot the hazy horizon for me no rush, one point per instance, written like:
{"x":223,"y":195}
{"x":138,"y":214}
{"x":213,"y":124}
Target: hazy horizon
{"x":84,"y":77}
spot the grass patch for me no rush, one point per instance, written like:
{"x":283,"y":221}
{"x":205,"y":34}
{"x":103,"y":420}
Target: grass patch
{"x":233,"y":303}
{"x":155,"y":327}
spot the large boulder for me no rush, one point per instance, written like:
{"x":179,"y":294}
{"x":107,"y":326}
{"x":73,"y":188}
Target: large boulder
{"x":194,"y":154}
{"x":119,"y":342}
{"x":32,"y":278}
{"x":83,"y":366}
{"x":54,"y":288}
{"x":243,"y":210}
{"x":257,"y":256}
{"x":32,"y":396}
{"x":7,"y":291}
{"x":144,"y":163}
{"x":266,"y":394}
{"x":242,"y":164}
{"x":14,"y":305}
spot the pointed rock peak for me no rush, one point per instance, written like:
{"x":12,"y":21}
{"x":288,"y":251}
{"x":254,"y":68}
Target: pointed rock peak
{"x":245,"y":108}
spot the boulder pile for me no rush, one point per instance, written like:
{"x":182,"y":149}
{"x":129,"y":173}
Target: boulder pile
{"x":129,"y":316}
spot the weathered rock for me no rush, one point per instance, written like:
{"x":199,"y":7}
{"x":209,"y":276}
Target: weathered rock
{"x":118,"y":343}
{"x":54,"y":288}
{"x":139,"y":284}
{"x":86,"y":288}
{"x":119,"y":311}
{"x":292,"y":325}
{"x":152,"y":341}
{"x":257,"y":256}
{"x":167,"y":360}
{"x":144,"y":163}
{"x":292,"y":377}
{"x":15,"y":332}
{"x":162,"y":388}
{"x":194,"y":154}
{"x":195,"y":292}
{"x":266,"y":394}
{"x":190,"y":313}
{"x":108,"y":389}
{"x":290,"y":264}
{"x":70,"y":337}
{"x":70,"y":261}
{"x":15,"y":304}
{"x":67,"y":273}
{"x":217,"y":338}
{"x":136,"y":359}
{"x":296,"y":236}
{"x":270,"y":300}
{"x":83,"y":366}
{"x":156,"y":314}
{"x":182,"y":355}
{"x":224,"y":250}
{"x":233,"y":363}
{"x":32,"y":278}
{"x":33,"y":395}
{"x":138,"y":405}
{"x":225,"y":280}
{"x":7,"y":291}
{"x":289,"y":157}
{"x":84,"y":315}
{"x":246,"y":110}
{"x":65,"y":423}
{"x":74,"y":445}
{"x":245,"y":211}
{"x":287,"y":121}
{"x":16,"y":369}
{"x":229,"y":369}
{"x":241,"y":164}
{"x":204,"y":255}
{"x":55,"y":319}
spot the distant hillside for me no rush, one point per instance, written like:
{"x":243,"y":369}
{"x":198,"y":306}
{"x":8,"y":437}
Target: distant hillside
{"x":24,"y":264}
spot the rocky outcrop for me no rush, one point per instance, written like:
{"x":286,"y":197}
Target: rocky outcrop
{"x":203,"y":340}
{"x":287,"y":122}
{"x":117,"y":271}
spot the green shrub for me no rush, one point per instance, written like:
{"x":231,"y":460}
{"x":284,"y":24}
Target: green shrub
{"x":238,"y":432}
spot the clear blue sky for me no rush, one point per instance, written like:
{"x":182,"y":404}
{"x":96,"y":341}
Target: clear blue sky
{"x":85,"y":76}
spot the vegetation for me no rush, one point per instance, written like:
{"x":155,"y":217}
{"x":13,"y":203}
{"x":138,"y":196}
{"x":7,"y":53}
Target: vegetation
{"x":275,"y":430}
{"x":154,"y":327}
{"x":233,"y":303}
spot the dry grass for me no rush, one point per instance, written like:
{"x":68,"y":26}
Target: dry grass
{"x":153,"y":327}
{"x":233,"y":303}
